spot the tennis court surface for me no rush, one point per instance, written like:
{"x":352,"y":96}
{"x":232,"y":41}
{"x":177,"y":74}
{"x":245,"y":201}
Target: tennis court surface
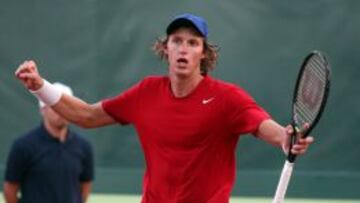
{"x":100,"y":198}
{"x":113,"y":198}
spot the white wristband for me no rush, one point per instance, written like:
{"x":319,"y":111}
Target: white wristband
{"x":48,"y":93}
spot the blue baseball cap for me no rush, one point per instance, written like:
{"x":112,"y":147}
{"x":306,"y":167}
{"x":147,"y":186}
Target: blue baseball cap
{"x":188,"y":19}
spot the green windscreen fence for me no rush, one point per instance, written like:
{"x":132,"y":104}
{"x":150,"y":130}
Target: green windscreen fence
{"x":101,"y":48}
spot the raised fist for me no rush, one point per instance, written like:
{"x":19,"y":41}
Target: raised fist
{"x":28,"y":74}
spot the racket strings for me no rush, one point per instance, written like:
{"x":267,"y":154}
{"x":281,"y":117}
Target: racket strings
{"x":303,"y":114}
{"x":311,"y":90}
{"x":317,"y":66}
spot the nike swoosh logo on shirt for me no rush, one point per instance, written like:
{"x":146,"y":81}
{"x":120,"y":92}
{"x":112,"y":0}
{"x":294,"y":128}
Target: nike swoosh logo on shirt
{"x":206,"y":101}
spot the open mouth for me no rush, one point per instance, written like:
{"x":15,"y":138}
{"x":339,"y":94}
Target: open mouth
{"x":182,"y":60}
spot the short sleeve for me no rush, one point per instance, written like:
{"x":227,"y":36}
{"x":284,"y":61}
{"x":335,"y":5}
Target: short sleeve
{"x":245,"y":115}
{"x":123,"y":107}
{"x":17,"y":163}
{"x":88,"y":172}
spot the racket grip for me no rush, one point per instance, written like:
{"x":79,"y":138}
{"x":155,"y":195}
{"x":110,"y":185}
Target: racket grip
{"x":291,"y":157}
{"x":283,"y":182}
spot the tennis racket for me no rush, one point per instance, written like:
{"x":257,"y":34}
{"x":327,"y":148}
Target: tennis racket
{"x":310,"y":95}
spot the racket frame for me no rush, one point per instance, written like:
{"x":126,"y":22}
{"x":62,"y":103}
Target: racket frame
{"x":290,"y":161}
{"x":291,"y":157}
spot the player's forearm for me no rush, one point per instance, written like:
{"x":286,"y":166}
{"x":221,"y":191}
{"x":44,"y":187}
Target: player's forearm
{"x":76,"y":111}
{"x":69,"y":107}
{"x":272,"y":132}
{"x":10,"y":193}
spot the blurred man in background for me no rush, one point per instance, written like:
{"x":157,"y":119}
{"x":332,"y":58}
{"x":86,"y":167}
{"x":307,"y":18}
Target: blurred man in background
{"x":188,"y":122}
{"x":49,"y":164}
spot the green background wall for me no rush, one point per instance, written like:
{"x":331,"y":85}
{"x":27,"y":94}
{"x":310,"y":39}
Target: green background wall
{"x":101,"y":48}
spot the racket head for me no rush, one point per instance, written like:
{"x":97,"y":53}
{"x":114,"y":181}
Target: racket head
{"x":311,"y":91}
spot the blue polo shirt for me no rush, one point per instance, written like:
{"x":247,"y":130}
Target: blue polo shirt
{"x":50,"y":171}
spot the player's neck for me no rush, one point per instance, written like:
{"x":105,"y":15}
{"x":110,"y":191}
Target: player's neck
{"x":183,"y":86}
{"x":57,"y":132}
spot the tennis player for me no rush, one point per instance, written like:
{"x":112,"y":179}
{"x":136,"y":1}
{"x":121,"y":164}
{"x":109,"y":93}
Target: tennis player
{"x":188,"y":122}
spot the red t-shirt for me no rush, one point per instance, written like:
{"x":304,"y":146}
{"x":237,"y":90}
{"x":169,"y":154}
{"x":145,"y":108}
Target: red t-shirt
{"x":189,"y":143}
